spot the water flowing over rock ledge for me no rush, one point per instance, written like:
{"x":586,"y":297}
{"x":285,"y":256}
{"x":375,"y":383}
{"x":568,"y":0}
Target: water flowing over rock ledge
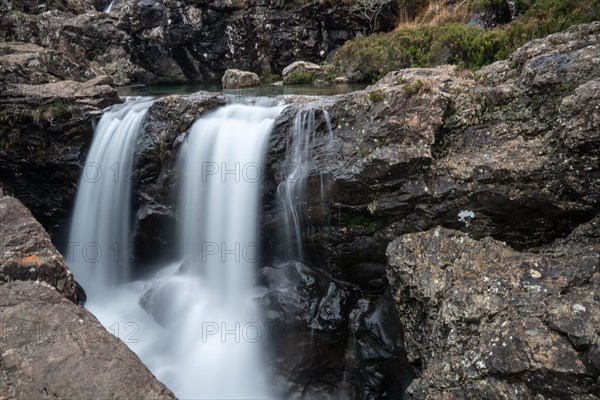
{"x":508,"y":154}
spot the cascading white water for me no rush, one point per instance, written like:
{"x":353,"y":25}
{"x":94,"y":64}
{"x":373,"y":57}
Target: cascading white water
{"x":220,"y":198}
{"x":291,"y":192}
{"x":210,"y":343}
{"x":109,"y":7}
{"x":97,"y":251}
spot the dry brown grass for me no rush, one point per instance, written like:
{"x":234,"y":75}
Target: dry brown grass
{"x":437,"y":12}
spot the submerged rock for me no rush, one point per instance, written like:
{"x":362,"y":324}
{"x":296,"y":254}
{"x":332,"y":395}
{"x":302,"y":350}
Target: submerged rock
{"x":483,"y":320}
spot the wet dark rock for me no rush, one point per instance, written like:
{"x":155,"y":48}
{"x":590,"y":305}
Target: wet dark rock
{"x":510,"y":153}
{"x":166,"y":124}
{"x":305,"y":297}
{"x":308,"y":311}
{"x":483,"y":320}
{"x":328,"y":340}
{"x":52,"y":348}
{"x":46,"y":132}
{"x":27,"y":254}
{"x":381,"y":368}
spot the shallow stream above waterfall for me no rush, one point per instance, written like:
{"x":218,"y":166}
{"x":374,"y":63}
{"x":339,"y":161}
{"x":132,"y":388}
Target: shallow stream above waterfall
{"x":263,"y":90}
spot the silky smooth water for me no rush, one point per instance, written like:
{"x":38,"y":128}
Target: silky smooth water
{"x":211,"y":341}
{"x":221,"y":164}
{"x":98,"y":250}
{"x":291,"y":192}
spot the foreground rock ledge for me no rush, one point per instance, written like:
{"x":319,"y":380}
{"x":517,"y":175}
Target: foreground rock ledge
{"x":52,"y":348}
{"x":484,"y":321}
{"x":26,"y":252}
{"x":49,"y":346}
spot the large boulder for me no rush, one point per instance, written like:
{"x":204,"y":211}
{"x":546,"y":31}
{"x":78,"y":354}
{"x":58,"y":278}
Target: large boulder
{"x":52,"y":348}
{"x":301,"y":72}
{"x":482,"y":320}
{"x":236,"y":79}
{"x":26,"y":252}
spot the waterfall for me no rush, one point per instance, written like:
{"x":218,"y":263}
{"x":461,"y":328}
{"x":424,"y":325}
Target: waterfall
{"x":195,"y":323}
{"x":98,"y":246}
{"x":291,"y":192}
{"x":220,"y":195}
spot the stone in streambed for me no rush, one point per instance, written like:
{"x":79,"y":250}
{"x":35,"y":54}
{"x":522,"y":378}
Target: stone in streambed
{"x":238,"y":79}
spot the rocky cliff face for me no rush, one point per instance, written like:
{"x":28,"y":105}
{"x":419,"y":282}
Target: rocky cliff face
{"x":510,"y":152}
{"x":157,"y":41}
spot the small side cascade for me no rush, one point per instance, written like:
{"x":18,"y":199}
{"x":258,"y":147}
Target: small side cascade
{"x":109,"y":7}
{"x":292,"y":191}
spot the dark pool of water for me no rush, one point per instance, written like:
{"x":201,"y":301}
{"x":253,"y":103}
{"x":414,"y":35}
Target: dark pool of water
{"x":260,"y":91}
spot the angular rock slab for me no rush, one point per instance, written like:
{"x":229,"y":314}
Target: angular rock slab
{"x":52,"y":348}
{"x":26,"y":252}
{"x":485,"y":321}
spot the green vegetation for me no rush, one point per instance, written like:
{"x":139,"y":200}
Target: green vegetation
{"x":377,"y":95}
{"x":269,"y":77}
{"x":413,"y":88}
{"x":52,"y":112}
{"x":369,"y":223}
{"x":369,"y":58}
{"x":300,"y":77}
